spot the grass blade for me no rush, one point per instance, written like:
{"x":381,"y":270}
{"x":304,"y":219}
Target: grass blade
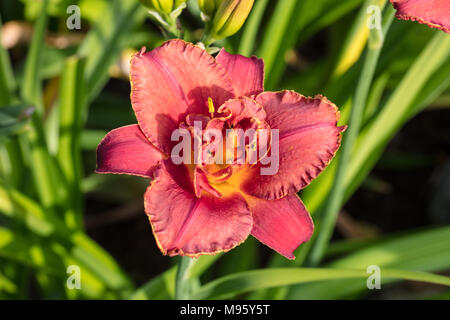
{"x":269,"y":278}
{"x":421,"y":251}
{"x":71,"y":105}
{"x":103,"y":44}
{"x":252,"y":26}
{"x":359,"y":102}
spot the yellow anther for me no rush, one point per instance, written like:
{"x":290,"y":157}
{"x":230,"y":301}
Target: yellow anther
{"x":211,"y":107}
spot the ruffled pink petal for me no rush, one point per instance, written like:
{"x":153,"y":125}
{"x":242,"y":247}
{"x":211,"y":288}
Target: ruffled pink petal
{"x":434,"y":13}
{"x":201,"y":183}
{"x":240,"y":109}
{"x":127,"y":151}
{"x":308,"y":139}
{"x":281,"y":224}
{"x":186,"y":225}
{"x":172,"y":81}
{"x":247,"y":74}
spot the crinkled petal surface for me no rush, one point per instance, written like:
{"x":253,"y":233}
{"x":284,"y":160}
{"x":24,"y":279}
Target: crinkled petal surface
{"x":246,"y":74}
{"x":434,"y":13}
{"x":281,"y":224}
{"x":186,"y":225}
{"x":308,"y":140}
{"x":242,"y":108}
{"x":172,"y":81}
{"x":126,"y":150}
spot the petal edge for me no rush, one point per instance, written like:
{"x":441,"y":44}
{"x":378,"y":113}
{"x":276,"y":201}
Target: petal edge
{"x":126,"y":150}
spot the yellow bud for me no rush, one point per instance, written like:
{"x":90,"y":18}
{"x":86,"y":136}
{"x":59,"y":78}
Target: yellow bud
{"x":230,"y":17}
{"x":166,"y":6}
{"x":209,"y":7}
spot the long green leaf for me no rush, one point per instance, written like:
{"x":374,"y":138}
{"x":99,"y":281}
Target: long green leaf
{"x":104,"y":43}
{"x":393,"y":114}
{"x":82,"y":248}
{"x":276,"y":32}
{"x":7,"y":82}
{"x":49,"y":258}
{"x":252,"y":27}
{"x":268,"y":278}
{"x":421,"y":251}
{"x":71,"y":106}
{"x":397,"y":110}
{"x":163,"y":285}
{"x":359,"y":102}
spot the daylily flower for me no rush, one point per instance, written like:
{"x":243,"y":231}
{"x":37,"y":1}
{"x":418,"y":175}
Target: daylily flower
{"x":201,"y":208}
{"x":434,"y":13}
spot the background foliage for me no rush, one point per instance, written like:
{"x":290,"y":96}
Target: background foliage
{"x":62,"y":90}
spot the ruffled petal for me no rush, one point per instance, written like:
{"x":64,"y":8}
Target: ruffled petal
{"x":246,"y":74}
{"x":172,"y":81}
{"x":281,"y":224}
{"x":186,"y":225}
{"x":127,"y":151}
{"x":434,"y":13}
{"x":201,"y":183}
{"x":308,"y":138}
{"x":240,"y":109}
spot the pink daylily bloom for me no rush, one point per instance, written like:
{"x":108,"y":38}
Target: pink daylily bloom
{"x":434,"y":13}
{"x":206,"y":208}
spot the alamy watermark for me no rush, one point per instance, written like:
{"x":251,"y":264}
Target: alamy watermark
{"x":74,"y":278}
{"x":238,"y":147}
{"x":73,"y":22}
{"x":374,"y":280}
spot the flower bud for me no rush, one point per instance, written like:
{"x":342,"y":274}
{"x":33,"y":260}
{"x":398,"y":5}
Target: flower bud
{"x":230,"y":17}
{"x":209,"y":7}
{"x":166,"y":6}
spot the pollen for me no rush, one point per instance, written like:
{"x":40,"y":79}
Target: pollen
{"x":211,"y":107}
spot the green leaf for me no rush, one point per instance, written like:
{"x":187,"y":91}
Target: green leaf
{"x":286,"y":26}
{"x":159,"y":288}
{"x":7,"y":285}
{"x":356,"y":39}
{"x":48,"y":258}
{"x":277,"y":31}
{"x":252,"y":27}
{"x":30,"y":87}
{"x":46,"y":176}
{"x":398,"y":109}
{"x":72,"y":102}
{"x":163,"y":285}
{"x":13,"y":119}
{"x":79,"y":246}
{"x":269,"y":278}
{"x":91,"y":138}
{"x":336,"y":198}
{"x":7,"y":81}
{"x":421,"y":251}
{"x":104,"y":43}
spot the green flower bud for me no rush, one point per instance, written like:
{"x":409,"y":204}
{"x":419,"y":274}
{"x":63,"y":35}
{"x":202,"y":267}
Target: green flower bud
{"x":230,"y":17}
{"x":166,"y":6}
{"x":209,"y":7}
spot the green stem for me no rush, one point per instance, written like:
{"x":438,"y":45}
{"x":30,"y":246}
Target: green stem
{"x":335,"y":200}
{"x":182,"y":284}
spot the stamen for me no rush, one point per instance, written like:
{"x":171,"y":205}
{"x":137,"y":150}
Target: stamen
{"x":211,"y":107}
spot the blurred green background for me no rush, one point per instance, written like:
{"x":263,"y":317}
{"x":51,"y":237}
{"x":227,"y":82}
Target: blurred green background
{"x":62,"y":90}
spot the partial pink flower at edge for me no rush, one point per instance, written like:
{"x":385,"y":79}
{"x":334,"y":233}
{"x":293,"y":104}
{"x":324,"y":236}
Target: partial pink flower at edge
{"x":434,"y":13}
{"x":199,"y":209}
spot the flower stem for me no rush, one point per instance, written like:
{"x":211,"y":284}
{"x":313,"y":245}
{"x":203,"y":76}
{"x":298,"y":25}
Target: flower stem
{"x":182,"y":282}
{"x":336,"y":198}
